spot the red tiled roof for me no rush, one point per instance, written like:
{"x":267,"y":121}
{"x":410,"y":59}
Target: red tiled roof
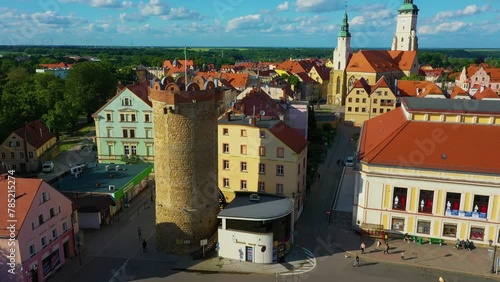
{"x":26,"y":191}
{"x":486,"y":93}
{"x":381,"y":61}
{"x":237,"y":80}
{"x":408,"y":88}
{"x":390,"y":139}
{"x":457,"y":91}
{"x":261,"y":101}
{"x":37,"y":134}
{"x":55,"y":66}
{"x":382,"y":82}
{"x":304,"y":77}
{"x":180,"y":65}
{"x":361,"y":83}
{"x":289,"y":137}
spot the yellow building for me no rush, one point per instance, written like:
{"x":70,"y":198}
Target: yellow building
{"x":263,"y":155}
{"x":322,"y":76}
{"x":424,"y":170}
{"x":24,"y":149}
{"x":365,"y":102}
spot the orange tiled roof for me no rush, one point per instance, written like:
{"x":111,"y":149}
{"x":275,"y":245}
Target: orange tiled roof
{"x":390,"y":140}
{"x":323,"y":72}
{"x":361,"y":83}
{"x":36,"y":133}
{"x":292,"y":138}
{"x":493,"y":72}
{"x":304,"y":77}
{"x":180,"y":65}
{"x":237,"y":80}
{"x":382,"y":82}
{"x":26,"y":191}
{"x":55,"y":66}
{"x":408,"y":88}
{"x":486,"y":93}
{"x":457,"y":91}
{"x":381,"y":61}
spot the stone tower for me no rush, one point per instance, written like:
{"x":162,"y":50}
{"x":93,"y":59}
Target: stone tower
{"x":338,"y":76}
{"x":406,"y":28}
{"x":185,"y":164}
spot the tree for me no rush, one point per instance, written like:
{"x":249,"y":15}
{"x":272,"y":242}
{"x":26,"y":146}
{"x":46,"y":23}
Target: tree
{"x":88,"y":86}
{"x":414,"y":77}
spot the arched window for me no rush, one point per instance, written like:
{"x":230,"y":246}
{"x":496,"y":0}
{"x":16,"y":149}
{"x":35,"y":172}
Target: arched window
{"x":337,"y":91}
{"x":338,"y":66}
{"x":350,"y":84}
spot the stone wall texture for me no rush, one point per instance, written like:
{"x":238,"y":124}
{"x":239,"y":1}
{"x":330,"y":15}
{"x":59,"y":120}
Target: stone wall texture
{"x":186,"y":173}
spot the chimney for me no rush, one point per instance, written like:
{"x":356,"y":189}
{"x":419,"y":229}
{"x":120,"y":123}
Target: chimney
{"x":41,"y":134}
{"x":252,"y":121}
{"x":228,"y":116}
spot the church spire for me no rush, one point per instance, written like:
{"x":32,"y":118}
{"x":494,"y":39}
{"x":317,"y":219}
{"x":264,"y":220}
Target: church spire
{"x":344,"y":29}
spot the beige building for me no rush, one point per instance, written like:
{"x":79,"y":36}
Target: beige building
{"x":423,"y":170}
{"x":21,"y":151}
{"x":263,"y":155}
{"x":366,"y":101}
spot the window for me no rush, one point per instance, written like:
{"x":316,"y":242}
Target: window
{"x":450,"y":230}
{"x":481,"y":204}
{"x":225,"y":131}
{"x":149,"y":133}
{"x":52,"y":212}
{"x":243,"y":185}
{"x":244,"y":166}
{"x":225,"y":164}
{"x":134,"y":150}
{"x":453,"y":201}
{"x":65,"y":226}
{"x":399,"y":199}
{"x":364,"y":100}
{"x":298,"y":169}
{"x":226,"y":182}
{"x":425,"y":201}
{"x":21,"y":155}
{"x":356,"y":109}
{"x":14,"y":144}
{"x":280,"y":170}
{"x":225,"y":148}
{"x":32,"y":226}
{"x":122,"y":117}
{"x":374,"y":110}
{"x":125,"y":133}
{"x":279,"y":188}
{"x":349,"y":109}
{"x":30,"y":155}
{"x":132,"y":133}
{"x":357,"y":99}
{"x":109,"y":132}
{"x":280,"y":152}
{"x":43,"y":240}
{"x":262,"y":134}
{"x":108,"y":117}
{"x":262,"y":168}
{"x":12,"y":155}
{"x":350,"y":100}
{"x":45,"y":197}
{"x":132,"y":117}
{"x":363,"y":110}
{"x":262,"y":151}
{"x":398,"y":223}
{"x":424,"y":227}
{"x":32,"y":250}
{"x":375,"y":101}
{"x":476,"y":233}
{"x":126,"y":150}
{"x":243,"y":133}
{"x":127,"y":102}
{"x":381,"y":111}
{"x":111,"y":149}
{"x":147,"y":118}
{"x":262,"y":187}
{"x":54,"y":233}
{"x":3,"y":155}
{"x":243,"y":149}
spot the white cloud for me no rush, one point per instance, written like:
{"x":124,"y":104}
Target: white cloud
{"x":283,"y":7}
{"x":469,"y":10}
{"x":319,"y":5}
{"x":127,"y":4}
{"x":153,"y":8}
{"x":133,"y":17}
{"x":358,"y":20}
{"x":245,"y":22}
{"x":181,"y":14}
{"x":101,"y":3}
{"x":443,"y":27}
{"x":54,"y":19}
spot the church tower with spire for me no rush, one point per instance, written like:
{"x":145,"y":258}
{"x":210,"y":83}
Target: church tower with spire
{"x":338,"y":78}
{"x":406,"y":28}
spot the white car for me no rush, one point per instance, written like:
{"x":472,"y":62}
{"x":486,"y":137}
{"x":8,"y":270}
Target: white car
{"x":349,"y":161}
{"x":48,"y":166}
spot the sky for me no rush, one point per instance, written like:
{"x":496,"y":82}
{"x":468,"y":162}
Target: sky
{"x":244,"y":23}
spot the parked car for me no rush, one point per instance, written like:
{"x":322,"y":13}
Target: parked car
{"x":349,"y":162}
{"x":48,"y":166}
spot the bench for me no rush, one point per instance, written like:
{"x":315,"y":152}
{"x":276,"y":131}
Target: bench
{"x":436,"y":241}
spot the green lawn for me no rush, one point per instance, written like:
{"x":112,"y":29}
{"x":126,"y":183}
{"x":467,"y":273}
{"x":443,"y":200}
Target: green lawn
{"x":66,"y":145}
{"x":69,"y":141}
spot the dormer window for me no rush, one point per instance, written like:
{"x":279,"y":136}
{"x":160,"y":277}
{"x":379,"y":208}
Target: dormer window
{"x":127,"y":102}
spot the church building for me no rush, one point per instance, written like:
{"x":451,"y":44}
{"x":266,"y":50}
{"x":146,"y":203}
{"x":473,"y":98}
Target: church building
{"x":372,"y":65}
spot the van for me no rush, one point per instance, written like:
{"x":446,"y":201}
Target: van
{"x":48,"y":166}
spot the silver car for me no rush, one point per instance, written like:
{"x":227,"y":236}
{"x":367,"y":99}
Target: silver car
{"x":349,"y":161}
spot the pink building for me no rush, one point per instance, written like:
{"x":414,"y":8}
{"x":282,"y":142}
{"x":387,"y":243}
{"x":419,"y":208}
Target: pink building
{"x":482,"y":75}
{"x":36,"y":235}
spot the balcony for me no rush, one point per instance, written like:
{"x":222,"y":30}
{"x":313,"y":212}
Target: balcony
{"x":466,"y":214}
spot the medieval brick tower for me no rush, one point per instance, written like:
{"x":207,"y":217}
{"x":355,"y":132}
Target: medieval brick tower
{"x":185,"y":164}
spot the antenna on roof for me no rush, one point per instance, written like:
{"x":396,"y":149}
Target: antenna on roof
{"x":253,"y":112}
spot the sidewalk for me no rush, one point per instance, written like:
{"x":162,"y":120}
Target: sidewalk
{"x":445,"y":257}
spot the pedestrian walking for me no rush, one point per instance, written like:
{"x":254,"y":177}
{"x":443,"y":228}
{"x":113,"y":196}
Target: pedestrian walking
{"x":386,"y":249}
{"x":378,"y":245}
{"x":402,"y":255}
{"x":356,"y":261}
{"x":139,"y":232}
{"x":338,"y":162}
{"x":144,"y":246}
{"x":362,"y":247}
